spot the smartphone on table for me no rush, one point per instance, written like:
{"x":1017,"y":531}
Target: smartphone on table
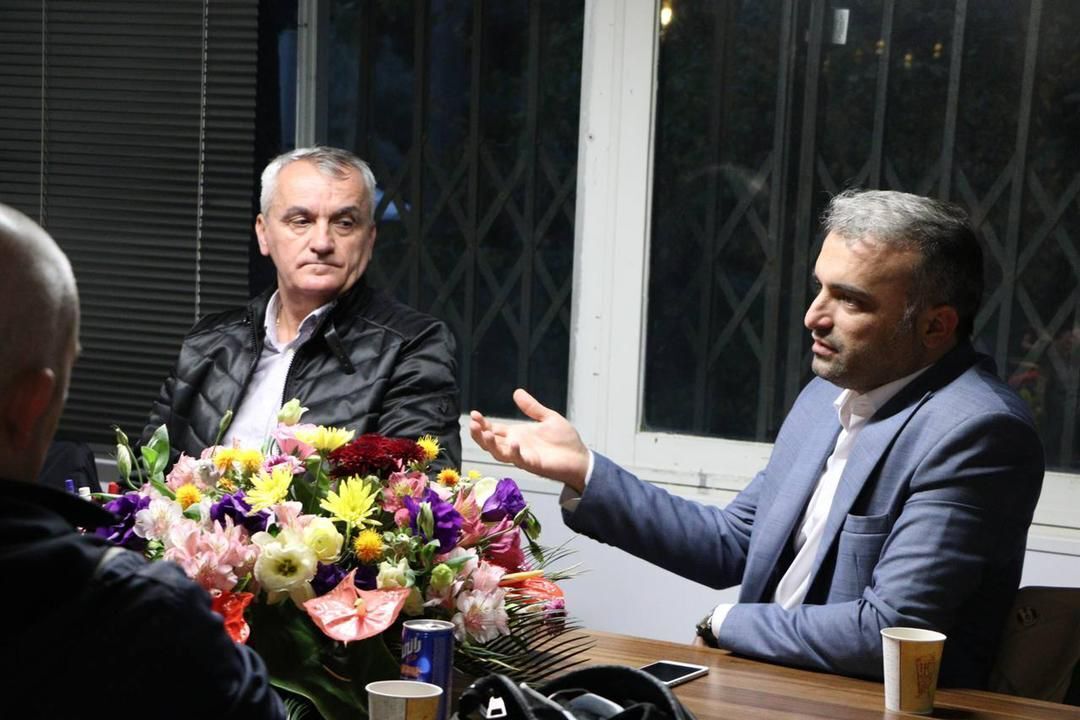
{"x":673,"y":673}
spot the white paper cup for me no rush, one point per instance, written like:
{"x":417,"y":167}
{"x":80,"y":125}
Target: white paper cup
{"x":912,"y":658}
{"x":403,"y":700}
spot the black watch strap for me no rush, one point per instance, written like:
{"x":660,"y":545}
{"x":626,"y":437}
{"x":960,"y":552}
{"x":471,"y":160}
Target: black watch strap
{"x":704,"y":631}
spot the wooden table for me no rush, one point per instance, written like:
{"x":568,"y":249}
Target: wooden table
{"x":743,"y":689}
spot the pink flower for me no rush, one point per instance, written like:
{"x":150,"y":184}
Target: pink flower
{"x":473,"y":528}
{"x":285,"y":436}
{"x":481,"y":616}
{"x":505,"y":548}
{"x":215,"y":559}
{"x":184,"y":473}
{"x":274,"y":460}
{"x":401,"y":485}
{"x":289,"y":514}
{"x":348,"y":614}
{"x":487,"y":576}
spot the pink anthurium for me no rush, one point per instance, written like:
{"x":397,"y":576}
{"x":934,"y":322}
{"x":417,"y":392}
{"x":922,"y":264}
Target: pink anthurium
{"x":347,"y":613}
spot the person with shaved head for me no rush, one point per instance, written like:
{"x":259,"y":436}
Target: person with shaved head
{"x":71,"y":601}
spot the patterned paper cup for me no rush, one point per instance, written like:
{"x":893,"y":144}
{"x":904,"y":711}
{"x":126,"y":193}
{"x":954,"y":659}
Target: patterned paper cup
{"x":912,"y":658}
{"x":403,"y":700}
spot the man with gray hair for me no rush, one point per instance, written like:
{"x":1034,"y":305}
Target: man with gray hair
{"x":900,"y":488}
{"x":70,"y":600}
{"x":352,"y":355}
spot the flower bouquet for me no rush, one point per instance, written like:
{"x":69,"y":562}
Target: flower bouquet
{"x":317,"y":545}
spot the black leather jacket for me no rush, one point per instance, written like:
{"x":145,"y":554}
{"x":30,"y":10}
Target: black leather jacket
{"x":80,"y":644}
{"x":372,"y":365}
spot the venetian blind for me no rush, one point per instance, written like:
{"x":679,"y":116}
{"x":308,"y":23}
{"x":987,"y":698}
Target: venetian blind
{"x":128,"y":134}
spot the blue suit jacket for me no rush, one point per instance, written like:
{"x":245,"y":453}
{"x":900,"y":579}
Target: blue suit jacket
{"x":927,"y":529}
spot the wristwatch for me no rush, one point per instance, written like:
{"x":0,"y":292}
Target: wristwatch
{"x":704,"y":631}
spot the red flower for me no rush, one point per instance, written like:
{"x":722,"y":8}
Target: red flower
{"x":373,"y":454}
{"x":231,"y":606}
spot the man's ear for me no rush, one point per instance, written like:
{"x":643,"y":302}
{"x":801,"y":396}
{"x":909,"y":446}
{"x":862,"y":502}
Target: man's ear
{"x":29,"y":397}
{"x":260,"y":233}
{"x":939,"y":326}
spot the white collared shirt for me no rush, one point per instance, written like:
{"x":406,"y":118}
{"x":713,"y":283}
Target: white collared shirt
{"x":257,"y":414}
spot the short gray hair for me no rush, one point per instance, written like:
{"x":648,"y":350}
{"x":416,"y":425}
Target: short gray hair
{"x":951,"y":269}
{"x":39,"y":302}
{"x":332,"y":162}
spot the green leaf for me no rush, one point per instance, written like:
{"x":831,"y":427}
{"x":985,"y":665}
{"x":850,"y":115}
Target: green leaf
{"x":302,"y":660}
{"x":160,"y":441}
{"x":149,"y":456}
{"x":307,"y":493}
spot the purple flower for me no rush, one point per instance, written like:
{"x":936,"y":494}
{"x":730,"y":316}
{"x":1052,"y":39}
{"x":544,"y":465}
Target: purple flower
{"x":366,"y":577}
{"x":123,"y":532}
{"x":327,"y":577}
{"x":236,"y":507}
{"x":506,"y":501}
{"x":447,"y":520}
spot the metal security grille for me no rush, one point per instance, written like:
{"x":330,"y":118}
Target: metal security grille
{"x":766,"y":109}
{"x":468,"y":114}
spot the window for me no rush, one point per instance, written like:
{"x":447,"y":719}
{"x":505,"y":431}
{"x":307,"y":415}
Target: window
{"x":764,"y":110}
{"x":468,"y":115}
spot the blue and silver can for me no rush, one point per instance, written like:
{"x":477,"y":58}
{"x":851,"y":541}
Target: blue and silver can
{"x":427,"y":654}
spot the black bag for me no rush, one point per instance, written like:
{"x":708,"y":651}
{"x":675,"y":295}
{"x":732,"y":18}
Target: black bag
{"x":598,"y":692}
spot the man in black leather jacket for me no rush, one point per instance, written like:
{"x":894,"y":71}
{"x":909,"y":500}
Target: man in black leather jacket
{"x":352,"y":355}
{"x":146,"y":630}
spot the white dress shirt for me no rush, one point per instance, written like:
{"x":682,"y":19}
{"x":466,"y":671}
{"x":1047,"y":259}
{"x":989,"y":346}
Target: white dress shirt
{"x":257,"y":414}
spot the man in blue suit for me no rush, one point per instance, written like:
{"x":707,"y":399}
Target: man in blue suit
{"x":901,"y":485}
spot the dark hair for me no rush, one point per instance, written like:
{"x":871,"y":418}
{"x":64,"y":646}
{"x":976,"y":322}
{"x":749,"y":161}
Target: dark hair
{"x":951,"y":269}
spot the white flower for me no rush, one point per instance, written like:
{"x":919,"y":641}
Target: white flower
{"x":398,"y":575}
{"x":323,"y":538}
{"x":291,"y":412}
{"x":285,"y":566}
{"x":154,"y":521}
{"x":206,"y":472}
{"x":481,"y":616}
{"x":483,"y":489}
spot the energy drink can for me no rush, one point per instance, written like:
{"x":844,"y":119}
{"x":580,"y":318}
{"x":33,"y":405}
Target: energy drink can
{"x":427,"y":654}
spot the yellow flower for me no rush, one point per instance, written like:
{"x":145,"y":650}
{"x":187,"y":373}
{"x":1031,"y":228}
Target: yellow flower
{"x":368,"y":546}
{"x":269,"y":488}
{"x":223,"y":458}
{"x":430,"y":446}
{"x":449,"y":477}
{"x":188,"y":495}
{"x":475,"y":475}
{"x":249,"y":460}
{"x":325,"y":439}
{"x":353,"y":502}
{"x":226,"y":485}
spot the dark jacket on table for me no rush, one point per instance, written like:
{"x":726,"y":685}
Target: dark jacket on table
{"x":139,"y":639}
{"x":372,"y":365}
